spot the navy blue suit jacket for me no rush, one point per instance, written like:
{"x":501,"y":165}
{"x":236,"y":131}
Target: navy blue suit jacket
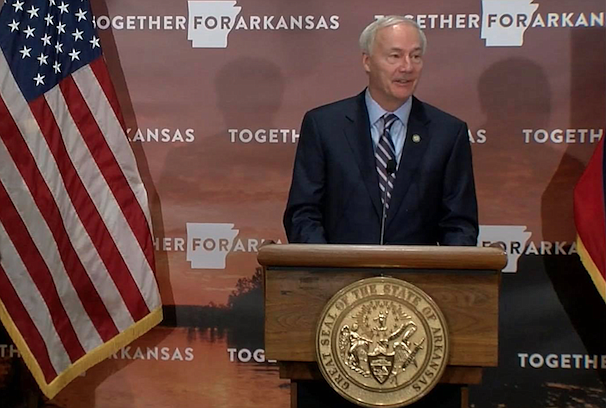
{"x":335,"y":197}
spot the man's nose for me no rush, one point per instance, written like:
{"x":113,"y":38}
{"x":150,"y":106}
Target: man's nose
{"x":406,"y":64}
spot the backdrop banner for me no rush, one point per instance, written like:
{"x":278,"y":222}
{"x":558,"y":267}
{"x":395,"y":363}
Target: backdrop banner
{"x":213,"y":94}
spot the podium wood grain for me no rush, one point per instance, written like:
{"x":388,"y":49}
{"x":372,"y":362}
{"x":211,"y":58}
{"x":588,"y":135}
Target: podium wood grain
{"x":295,"y":295}
{"x":469,"y":302}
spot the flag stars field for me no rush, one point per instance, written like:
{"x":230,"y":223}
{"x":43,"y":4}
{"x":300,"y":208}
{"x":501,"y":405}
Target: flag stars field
{"x":77,"y":35}
{"x":18,"y":5}
{"x":74,"y":55}
{"x":46,"y":39}
{"x":43,"y":59}
{"x":33,"y":12}
{"x":81,"y":14}
{"x":25,"y":52}
{"x":63,"y":7}
{"x":29,"y":32}
{"x":39,"y":79}
{"x":14,"y":25}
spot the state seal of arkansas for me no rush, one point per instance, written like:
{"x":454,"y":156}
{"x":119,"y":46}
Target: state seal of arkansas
{"x":382,"y":342}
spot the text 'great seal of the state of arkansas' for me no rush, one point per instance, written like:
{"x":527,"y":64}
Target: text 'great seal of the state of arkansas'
{"x":382,"y":342}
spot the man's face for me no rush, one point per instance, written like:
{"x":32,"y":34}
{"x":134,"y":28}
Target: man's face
{"x":394,"y":66}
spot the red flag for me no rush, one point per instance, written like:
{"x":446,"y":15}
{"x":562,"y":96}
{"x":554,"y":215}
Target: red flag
{"x":589,"y":217}
{"x":77,"y":277}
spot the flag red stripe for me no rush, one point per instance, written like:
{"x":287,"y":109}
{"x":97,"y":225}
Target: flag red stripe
{"x":101,"y":73}
{"x":89,"y":216}
{"x":589,"y":209}
{"x":34,"y":263}
{"x":110,"y":168}
{"x":141,"y":230}
{"x":26,"y":326}
{"x":116,"y":181}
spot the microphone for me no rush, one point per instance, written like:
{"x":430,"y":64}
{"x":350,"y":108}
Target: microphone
{"x":391,"y":169}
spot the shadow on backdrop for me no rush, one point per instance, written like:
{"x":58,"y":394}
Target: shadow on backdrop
{"x":514,"y":94}
{"x":574,"y":288}
{"x":224,"y":180}
{"x":249,"y":94}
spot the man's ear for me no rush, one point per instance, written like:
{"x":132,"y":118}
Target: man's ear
{"x":366,"y":62}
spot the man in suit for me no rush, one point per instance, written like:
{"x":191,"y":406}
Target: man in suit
{"x":382,"y":166}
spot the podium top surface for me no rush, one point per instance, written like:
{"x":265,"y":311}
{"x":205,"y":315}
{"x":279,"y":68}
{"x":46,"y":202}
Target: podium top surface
{"x":382,"y":256}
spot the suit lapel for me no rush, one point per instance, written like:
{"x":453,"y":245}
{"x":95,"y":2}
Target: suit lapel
{"x":357,"y":132}
{"x":417,"y":140}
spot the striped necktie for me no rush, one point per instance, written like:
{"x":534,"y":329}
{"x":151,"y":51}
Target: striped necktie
{"x":384,"y":153}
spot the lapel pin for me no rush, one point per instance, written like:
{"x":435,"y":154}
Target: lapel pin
{"x":416,"y":138}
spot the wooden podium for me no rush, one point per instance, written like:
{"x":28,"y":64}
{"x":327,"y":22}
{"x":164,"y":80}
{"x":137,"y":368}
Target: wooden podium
{"x":463,"y":281}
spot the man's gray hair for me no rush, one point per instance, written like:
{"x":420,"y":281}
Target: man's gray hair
{"x":367,"y":38}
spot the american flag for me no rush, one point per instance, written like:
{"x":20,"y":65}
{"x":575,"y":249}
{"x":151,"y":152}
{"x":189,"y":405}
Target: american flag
{"x":77,"y":278}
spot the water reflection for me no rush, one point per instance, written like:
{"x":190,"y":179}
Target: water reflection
{"x":193,"y":368}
